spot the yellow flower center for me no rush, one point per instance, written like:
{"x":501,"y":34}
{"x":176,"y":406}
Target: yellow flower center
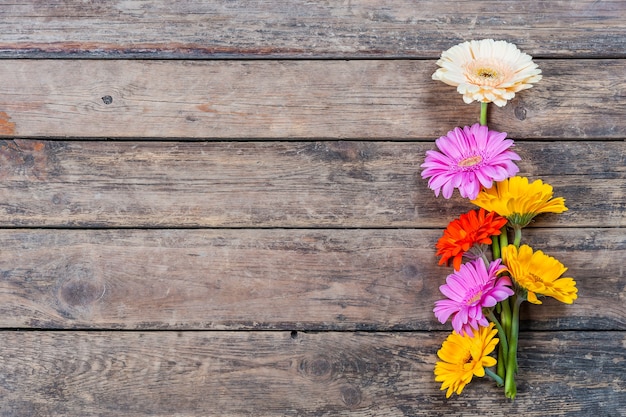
{"x":487,"y":73}
{"x":468,"y":362}
{"x":471,"y":161}
{"x":534,"y":277}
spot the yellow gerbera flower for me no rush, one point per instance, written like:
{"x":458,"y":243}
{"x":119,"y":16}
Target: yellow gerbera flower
{"x":539,"y":273}
{"x":519,"y":201}
{"x":487,"y":70}
{"x":464,"y":357}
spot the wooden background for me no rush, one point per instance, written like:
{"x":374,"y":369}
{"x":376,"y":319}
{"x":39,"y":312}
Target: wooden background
{"x":215,"y":208}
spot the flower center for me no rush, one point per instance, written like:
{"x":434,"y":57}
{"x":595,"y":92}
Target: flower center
{"x":535,"y":278}
{"x":473,"y":296}
{"x":486,"y":73}
{"x":471,"y":161}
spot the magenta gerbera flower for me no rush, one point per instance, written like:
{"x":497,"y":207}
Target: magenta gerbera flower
{"x":469,"y":157}
{"x":469,"y":290}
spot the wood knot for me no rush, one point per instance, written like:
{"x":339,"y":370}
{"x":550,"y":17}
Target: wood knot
{"x":520,"y":113}
{"x":58,"y":199}
{"x":80,"y":293}
{"x":318,"y":368}
{"x":24,"y":157}
{"x":350,"y":395}
{"x":412,"y":277}
{"x":409,"y":271}
{"x":79,"y":290}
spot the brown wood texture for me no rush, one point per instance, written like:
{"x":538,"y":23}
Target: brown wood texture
{"x":278,"y":184}
{"x":274,"y":279}
{"x":300,"y":28}
{"x":215,"y":208}
{"x":340,"y":374}
{"x":362,"y":99}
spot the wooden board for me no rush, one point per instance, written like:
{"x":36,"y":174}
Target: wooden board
{"x":293,"y":374}
{"x":278,"y":184}
{"x":300,"y":28}
{"x":273,"y":279}
{"x":382,"y":99}
{"x":214,"y":208}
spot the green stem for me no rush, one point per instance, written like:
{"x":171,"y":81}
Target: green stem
{"x":510,"y":389}
{"x":495,"y":247}
{"x":504,"y":310}
{"x":503,"y":346}
{"x":501,"y":365}
{"x":501,"y":333}
{"x":483,"y":114}
{"x":505,"y":317}
{"x":493,"y":376}
{"x":504,"y":238}
{"x":517,"y":241}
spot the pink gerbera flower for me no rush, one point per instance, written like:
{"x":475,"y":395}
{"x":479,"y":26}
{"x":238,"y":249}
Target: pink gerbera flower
{"x":469,"y":157}
{"x":469,"y":290}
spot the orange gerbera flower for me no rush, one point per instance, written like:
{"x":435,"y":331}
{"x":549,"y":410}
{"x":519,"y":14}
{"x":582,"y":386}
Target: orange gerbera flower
{"x":472,"y":228}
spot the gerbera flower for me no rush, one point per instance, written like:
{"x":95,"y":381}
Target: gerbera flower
{"x":540,"y":274}
{"x":519,"y":201}
{"x":469,"y":157}
{"x":469,"y":290}
{"x":464,"y":357}
{"x":472,"y":228}
{"x":487,"y":71}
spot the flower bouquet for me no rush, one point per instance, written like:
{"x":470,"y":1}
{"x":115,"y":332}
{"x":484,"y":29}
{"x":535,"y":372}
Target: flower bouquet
{"x":491,"y":277}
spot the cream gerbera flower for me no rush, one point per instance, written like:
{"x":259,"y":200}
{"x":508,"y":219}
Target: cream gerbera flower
{"x":487,"y":70}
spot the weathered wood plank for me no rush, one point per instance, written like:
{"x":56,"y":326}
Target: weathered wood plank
{"x":278,"y":184}
{"x":385,"y":99}
{"x":261,"y":28}
{"x":273,"y":279}
{"x":281,"y":374}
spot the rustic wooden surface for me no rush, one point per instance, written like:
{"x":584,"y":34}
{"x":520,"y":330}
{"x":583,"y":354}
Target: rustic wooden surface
{"x":300,"y":28}
{"x":277,"y":184}
{"x":215,"y":208}
{"x":293,"y":374}
{"x":381,"y":99}
{"x":375,"y":279}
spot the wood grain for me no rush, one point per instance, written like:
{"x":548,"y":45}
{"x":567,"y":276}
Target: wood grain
{"x":273,"y":279}
{"x":333,"y":29}
{"x":382,"y":99}
{"x":285,"y":374}
{"x":278,"y":184}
